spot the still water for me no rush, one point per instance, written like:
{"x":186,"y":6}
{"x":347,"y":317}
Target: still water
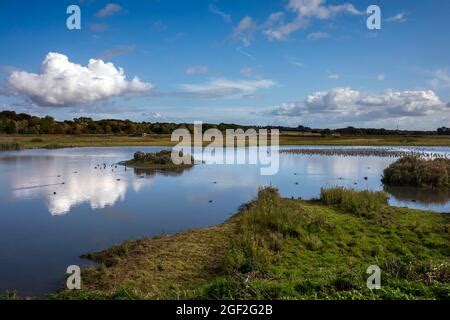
{"x":55,"y":205}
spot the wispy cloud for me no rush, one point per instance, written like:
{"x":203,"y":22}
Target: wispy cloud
{"x":318,"y":9}
{"x":245,"y":53}
{"x":109,"y":10}
{"x":245,"y":31}
{"x":305,"y":11}
{"x":249,"y":73}
{"x":334,"y":76}
{"x":282,"y":31}
{"x":317,"y":35}
{"x":225,"y":16}
{"x":224,"y":88}
{"x":277,"y":27}
{"x":117,"y":51}
{"x":98,"y":27}
{"x":440,"y":78}
{"x":399,"y":17}
{"x":196,"y":70}
{"x":158,"y":26}
{"x":295,"y":62}
{"x":174,"y":38}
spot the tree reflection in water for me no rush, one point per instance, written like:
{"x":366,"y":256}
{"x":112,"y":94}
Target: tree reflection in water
{"x":425,"y":196}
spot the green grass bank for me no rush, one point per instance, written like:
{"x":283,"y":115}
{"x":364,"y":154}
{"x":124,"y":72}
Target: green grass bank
{"x":279,"y":248}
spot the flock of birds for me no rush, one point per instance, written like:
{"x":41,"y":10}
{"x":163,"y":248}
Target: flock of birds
{"x":112,"y":166}
{"x":97,"y":167}
{"x":366,"y":152}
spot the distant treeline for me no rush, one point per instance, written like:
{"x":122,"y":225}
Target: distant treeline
{"x":22,"y":123}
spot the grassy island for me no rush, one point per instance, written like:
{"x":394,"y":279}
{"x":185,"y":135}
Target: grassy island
{"x":417,"y":172}
{"x":279,"y":248}
{"x":159,"y":160}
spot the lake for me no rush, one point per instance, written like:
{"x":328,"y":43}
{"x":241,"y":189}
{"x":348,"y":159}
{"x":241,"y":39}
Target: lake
{"x":58,"y":204}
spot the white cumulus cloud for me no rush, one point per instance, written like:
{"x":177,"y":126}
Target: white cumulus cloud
{"x":353,"y":104}
{"x":61,"y":82}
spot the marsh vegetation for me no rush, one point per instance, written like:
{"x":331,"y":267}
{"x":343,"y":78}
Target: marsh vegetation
{"x":417,"y":172}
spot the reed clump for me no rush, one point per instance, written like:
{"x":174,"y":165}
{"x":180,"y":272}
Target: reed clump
{"x":362,"y":203}
{"x":418,"y":172}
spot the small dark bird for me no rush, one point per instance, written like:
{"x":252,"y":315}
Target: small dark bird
{"x":54,"y":192}
{"x":365,"y":178}
{"x":210,"y":201}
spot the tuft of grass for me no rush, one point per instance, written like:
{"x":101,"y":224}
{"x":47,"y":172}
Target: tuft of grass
{"x":251,"y":251}
{"x":362,"y":203}
{"x":418,"y":172}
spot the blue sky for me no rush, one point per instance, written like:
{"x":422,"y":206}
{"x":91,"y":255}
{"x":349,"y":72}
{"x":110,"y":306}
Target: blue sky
{"x":291,"y":62}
